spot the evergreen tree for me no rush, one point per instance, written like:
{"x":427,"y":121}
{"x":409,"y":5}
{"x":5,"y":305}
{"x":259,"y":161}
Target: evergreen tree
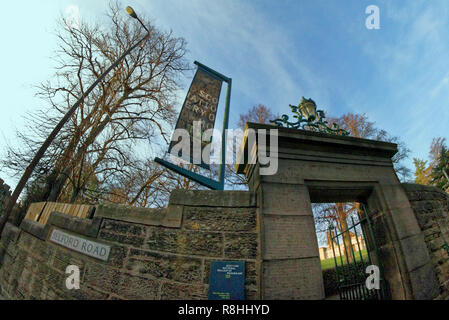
{"x":422,"y":171}
{"x":440,"y":173}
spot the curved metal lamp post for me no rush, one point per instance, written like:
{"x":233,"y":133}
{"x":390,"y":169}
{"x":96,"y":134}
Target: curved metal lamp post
{"x":39,"y":154}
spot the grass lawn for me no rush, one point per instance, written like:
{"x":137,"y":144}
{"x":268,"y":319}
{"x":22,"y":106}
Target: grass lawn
{"x":330,"y":263}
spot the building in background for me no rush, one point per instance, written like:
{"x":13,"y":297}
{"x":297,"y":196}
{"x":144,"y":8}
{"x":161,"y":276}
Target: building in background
{"x":327,"y":252}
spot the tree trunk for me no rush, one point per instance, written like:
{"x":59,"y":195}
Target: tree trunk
{"x":346,"y":236}
{"x":75,"y":194}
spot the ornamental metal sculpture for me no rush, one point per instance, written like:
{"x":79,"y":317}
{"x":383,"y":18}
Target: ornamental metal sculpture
{"x":309,"y":118}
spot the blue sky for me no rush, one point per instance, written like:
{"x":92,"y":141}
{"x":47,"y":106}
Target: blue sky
{"x":275,"y":52}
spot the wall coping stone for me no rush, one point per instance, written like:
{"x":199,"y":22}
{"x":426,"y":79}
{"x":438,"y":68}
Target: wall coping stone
{"x":290,"y":138}
{"x":166,"y":217}
{"x":409,"y":187}
{"x":10,"y":232}
{"x":83,"y":226}
{"x":213,"y":198}
{"x":87,"y":227}
{"x":35,"y":228}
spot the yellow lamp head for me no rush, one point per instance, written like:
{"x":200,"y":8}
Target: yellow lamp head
{"x":131,"y":12}
{"x":308,"y":108}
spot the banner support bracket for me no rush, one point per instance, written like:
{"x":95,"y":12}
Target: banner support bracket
{"x":202,"y":180}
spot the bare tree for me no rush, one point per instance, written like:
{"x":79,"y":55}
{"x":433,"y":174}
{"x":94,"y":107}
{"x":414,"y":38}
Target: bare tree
{"x":134,"y":103}
{"x":258,"y":114}
{"x":150,"y":187}
{"x":359,"y":126}
{"x":436,"y":148}
{"x":337,"y":216}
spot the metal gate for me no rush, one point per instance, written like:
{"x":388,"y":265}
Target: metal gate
{"x":351,"y":259}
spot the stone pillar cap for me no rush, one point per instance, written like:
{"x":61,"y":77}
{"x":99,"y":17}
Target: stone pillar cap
{"x":290,"y":138}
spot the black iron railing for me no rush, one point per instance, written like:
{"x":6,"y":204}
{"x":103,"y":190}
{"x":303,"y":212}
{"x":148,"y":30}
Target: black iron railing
{"x":352,"y":259}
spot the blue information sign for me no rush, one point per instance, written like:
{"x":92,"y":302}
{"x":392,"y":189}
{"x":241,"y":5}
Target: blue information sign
{"x":227,"y":280}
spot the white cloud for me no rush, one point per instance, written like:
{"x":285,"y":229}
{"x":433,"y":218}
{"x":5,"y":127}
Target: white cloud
{"x":238,"y":39}
{"x":442,"y":84}
{"x":409,"y":57}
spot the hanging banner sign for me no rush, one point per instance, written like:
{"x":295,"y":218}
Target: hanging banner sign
{"x":200,"y":106}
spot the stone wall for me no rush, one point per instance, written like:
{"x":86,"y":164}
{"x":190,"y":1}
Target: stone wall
{"x":431,"y":207}
{"x":155,"y":254}
{"x":166,"y":253}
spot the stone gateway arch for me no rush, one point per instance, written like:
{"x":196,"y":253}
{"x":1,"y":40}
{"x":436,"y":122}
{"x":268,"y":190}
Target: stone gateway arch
{"x":316,"y":167}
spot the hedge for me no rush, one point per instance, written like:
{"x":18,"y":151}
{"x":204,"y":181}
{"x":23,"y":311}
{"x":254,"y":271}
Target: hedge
{"x":330,"y":282}
{"x":356,"y":270}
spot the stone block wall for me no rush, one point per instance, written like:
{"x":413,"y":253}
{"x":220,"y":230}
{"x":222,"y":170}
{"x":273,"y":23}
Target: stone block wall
{"x":431,"y":208}
{"x":155,"y":254}
{"x":166,"y":253}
